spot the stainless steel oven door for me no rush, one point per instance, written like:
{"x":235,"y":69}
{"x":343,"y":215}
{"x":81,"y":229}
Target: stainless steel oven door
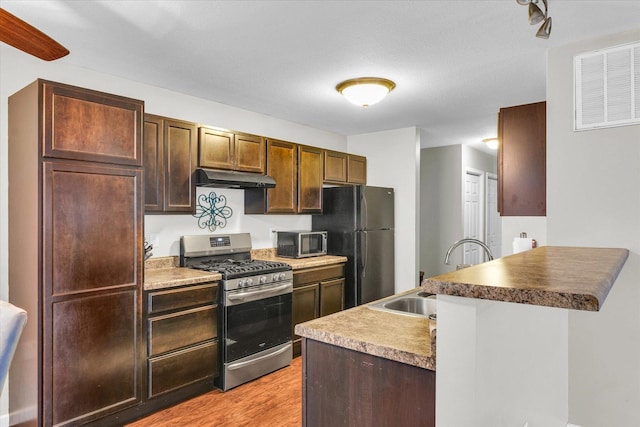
{"x":253,"y":324}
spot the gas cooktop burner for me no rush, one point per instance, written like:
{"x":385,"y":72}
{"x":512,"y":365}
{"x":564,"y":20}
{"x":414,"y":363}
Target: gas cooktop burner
{"x":235,"y":268}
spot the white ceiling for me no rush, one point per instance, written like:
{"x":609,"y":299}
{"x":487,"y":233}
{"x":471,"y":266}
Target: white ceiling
{"x":455,"y":63}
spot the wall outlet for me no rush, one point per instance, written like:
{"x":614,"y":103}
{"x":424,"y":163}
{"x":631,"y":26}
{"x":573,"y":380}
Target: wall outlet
{"x":274,"y":236}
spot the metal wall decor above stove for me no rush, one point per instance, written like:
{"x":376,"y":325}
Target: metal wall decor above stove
{"x":256,"y":301}
{"x":212,"y":211}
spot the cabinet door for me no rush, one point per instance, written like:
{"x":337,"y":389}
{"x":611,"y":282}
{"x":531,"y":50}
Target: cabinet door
{"x":522,"y":160}
{"x":250,"y":153}
{"x":153,"y":164}
{"x":335,"y":166}
{"x":217,"y":148}
{"x":282,"y":166}
{"x":83,"y":124}
{"x":180,"y":152}
{"x":310,"y":173}
{"x":304,"y":307}
{"x":356,"y":169}
{"x":331,"y":297}
{"x":93,"y":351}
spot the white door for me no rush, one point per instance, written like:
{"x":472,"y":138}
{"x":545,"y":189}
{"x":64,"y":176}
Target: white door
{"x":473,"y":209}
{"x":494,"y":222}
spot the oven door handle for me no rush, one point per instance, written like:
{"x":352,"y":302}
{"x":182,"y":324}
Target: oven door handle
{"x":253,"y":295}
{"x":239,"y":365}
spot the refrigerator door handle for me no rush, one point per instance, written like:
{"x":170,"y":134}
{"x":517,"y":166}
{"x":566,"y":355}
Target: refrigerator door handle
{"x":364,"y":250}
{"x":365,"y":211}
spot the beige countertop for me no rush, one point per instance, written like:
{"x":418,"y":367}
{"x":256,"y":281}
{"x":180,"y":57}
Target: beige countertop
{"x":269,"y":254}
{"x":405,"y":339}
{"x":164,"y":272}
{"x":553,"y":276}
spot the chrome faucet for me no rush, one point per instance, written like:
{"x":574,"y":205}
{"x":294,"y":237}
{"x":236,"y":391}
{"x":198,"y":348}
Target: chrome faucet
{"x":467,"y":240}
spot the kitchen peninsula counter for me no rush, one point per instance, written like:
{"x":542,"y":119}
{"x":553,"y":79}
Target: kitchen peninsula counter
{"x":564,"y":277}
{"x":387,"y":360}
{"x":397,"y":337}
{"x":164,"y":272}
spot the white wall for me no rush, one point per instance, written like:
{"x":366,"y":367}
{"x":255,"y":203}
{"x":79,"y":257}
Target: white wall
{"x":442,"y":171}
{"x":593,"y":200}
{"x":440,"y":208}
{"x":393,"y":161}
{"x":501,"y":364}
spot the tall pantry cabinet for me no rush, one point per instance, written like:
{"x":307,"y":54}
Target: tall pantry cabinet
{"x":75,"y":253}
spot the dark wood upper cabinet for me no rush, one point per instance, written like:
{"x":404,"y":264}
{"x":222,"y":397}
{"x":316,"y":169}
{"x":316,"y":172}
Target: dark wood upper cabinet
{"x":344,"y":168}
{"x":310,"y":173}
{"x":335,"y":166}
{"x":522,"y":160}
{"x":356,"y":169}
{"x":282,"y":165}
{"x":221,"y":149}
{"x":216,"y":149}
{"x":82,"y":124}
{"x":170,"y":161}
{"x":180,"y":151}
{"x":153,"y":163}
{"x":250,"y":153}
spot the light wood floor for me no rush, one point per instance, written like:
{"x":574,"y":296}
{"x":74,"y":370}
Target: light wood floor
{"x":274,"y":400}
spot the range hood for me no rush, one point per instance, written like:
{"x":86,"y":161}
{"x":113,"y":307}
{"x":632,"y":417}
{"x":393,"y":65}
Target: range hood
{"x":232,"y":179}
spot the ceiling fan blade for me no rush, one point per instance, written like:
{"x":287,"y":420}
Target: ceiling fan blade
{"x":17,"y":33}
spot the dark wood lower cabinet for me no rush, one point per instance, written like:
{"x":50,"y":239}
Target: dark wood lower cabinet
{"x":95,"y":369}
{"x":317,"y":292}
{"x":182,"y":336}
{"x":342,"y":387}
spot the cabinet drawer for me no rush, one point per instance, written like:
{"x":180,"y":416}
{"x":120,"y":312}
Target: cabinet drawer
{"x":317,"y":274}
{"x":181,"y":368}
{"x":173,"y":331}
{"x":174,"y":299}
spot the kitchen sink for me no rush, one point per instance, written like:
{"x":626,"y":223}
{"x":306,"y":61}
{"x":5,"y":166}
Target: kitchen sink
{"x":417,"y":303}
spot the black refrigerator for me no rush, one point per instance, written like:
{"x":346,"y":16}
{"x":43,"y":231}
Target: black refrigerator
{"x":359,"y":221}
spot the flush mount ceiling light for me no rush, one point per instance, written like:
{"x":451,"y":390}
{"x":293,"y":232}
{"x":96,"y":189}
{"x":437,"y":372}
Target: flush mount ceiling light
{"x":537,"y":15}
{"x":491,"y":143}
{"x":365,"y":91}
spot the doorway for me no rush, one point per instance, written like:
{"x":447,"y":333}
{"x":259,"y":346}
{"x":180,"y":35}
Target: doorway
{"x":473,"y":215}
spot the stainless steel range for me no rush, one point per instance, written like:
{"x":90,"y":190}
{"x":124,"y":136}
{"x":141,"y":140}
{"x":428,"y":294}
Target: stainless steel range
{"x":255,"y":301}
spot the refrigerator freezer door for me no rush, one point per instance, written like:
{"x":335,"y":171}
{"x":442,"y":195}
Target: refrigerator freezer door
{"x":339,"y":208}
{"x":375,"y":265}
{"x":376,"y":208}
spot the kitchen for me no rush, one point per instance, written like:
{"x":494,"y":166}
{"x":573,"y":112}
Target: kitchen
{"x":18,"y":71}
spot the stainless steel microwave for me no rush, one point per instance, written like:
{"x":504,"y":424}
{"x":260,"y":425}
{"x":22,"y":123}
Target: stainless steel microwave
{"x":301,"y":244}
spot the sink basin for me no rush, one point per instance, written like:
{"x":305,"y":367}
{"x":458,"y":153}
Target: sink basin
{"x":417,"y":303}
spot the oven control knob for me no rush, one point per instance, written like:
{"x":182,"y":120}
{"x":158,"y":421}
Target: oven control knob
{"x":275,"y":277}
{"x":263,"y":279}
{"x":249,"y":282}
{"x":241,"y":283}
{"x":282,"y":276}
